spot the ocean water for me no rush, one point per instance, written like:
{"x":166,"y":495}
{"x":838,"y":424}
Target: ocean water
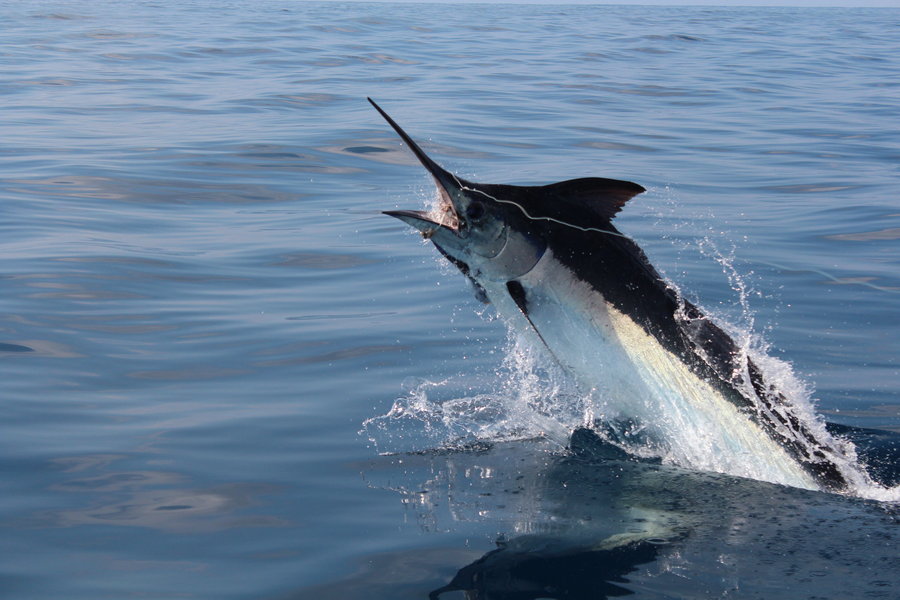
{"x":224,"y":374}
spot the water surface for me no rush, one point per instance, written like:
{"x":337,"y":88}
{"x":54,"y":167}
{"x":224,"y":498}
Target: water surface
{"x":202,"y":304}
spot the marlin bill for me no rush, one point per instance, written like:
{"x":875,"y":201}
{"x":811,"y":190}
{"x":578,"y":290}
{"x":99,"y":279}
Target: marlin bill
{"x":551,"y":262}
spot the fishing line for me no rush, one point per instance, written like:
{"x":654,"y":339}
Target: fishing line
{"x":588,"y":229}
{"x":534,"y":218}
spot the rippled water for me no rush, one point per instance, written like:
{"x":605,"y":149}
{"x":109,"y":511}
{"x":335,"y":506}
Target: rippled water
{"x":201,"y":303}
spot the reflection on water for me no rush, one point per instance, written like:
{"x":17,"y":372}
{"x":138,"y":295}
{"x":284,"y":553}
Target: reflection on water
{"x":200,"y":303}
{"x":4,"y":347}
{"x":154,"y":499}
{"x":533,"y":569}
{"x":591,"y":525}
{"x":42,"y":348}
{"x":892,"y":233}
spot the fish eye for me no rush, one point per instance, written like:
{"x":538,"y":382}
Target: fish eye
{"x":475,"y":210}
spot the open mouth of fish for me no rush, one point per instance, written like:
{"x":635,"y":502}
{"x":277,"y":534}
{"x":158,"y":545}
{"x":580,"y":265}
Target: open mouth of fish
{"x":443,"y":213}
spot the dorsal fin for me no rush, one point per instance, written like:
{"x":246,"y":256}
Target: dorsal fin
{"x":603,"y":197}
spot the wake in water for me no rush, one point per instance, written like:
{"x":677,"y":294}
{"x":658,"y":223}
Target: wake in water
{"x":532,"y":397}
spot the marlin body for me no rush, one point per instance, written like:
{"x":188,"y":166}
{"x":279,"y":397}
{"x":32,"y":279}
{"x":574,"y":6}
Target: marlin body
{"x":550,"y":260}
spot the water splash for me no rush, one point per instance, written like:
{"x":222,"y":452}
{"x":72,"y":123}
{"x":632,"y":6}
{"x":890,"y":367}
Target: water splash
{"x":780,"y":374}
{"x":530,"y":396}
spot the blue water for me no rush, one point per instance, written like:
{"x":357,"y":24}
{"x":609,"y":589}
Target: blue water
{"x":204,"y":317}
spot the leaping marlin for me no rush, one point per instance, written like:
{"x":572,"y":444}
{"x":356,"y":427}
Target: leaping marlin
{"x":549,"y":259}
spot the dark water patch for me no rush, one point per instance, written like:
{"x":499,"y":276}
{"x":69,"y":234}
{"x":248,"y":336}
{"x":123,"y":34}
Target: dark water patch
{"x":576,"y":572}
{"x":878,"y":450}
{"x":14,"y":348}
{"x":423,"y":569}
{"x":883,"y":413}
{"x":265,"y":158}
{"x":391,"y":150}
{"x":365,"y":149}
{"x":43,"y":349}
{"x":382,"y":150}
